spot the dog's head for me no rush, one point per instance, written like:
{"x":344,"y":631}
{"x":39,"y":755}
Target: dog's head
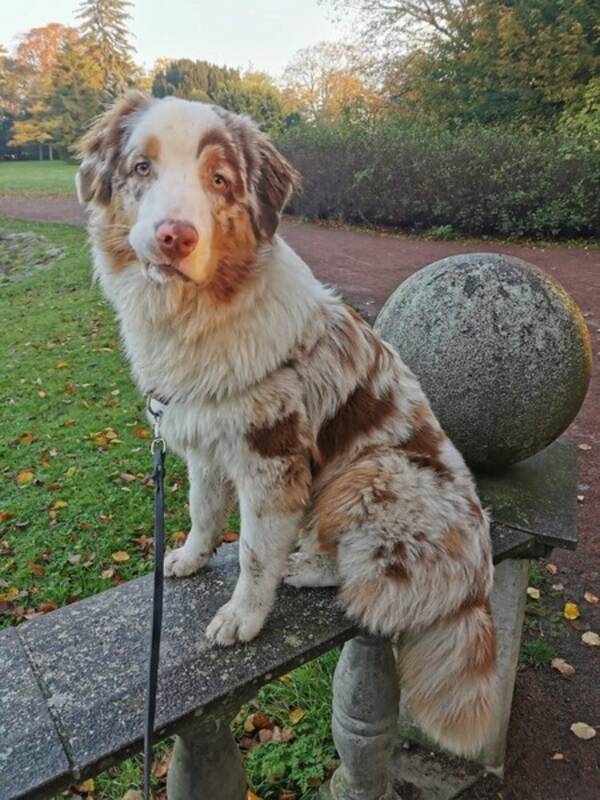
{"x":186,"y":189}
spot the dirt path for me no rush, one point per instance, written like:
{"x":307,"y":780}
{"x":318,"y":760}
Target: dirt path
{"x":367,"y":267}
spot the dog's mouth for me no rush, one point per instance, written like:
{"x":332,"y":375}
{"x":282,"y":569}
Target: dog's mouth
{"x":166,"y":271}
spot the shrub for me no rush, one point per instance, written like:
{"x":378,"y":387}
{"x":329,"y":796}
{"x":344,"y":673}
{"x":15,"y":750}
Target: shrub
{"x":476,"y":180}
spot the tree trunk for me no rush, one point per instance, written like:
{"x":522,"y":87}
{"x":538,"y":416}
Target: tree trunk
{"x":40,"y":152}
{"x":50,"y":153}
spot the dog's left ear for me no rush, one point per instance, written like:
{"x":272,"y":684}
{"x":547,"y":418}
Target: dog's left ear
{"x":276,"y":181}
{"x":101,"y":147}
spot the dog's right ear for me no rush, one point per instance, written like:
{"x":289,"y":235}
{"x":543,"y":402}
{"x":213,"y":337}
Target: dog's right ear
{"x":101,"y":148}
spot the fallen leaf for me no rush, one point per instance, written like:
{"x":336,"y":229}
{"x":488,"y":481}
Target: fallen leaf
{"x":265,"y":736}
{"x":260,"y":720}
{"x":562,"y":666}
{"x":557,"y":757}
{"x":107,"y":574}
{"x":252,"y":796}
{"x":71,"y":471}
{"x":86,"y":787}
{"x":580,"y":498}
{"x":70,"y":423}
{"x":249,"y":726}
{"x":584,"y":446}
{"x":9,"y":595}
{"x":47,"y":607}
{"x":37,"y":570}
{"x":24,"y":477}
{"x":590,"y":598}
{"x":287,"y":794}
{"x":62,"y":365}
{"x":4,"y":515}
{"x":296,"y":715}
{"x":120,"y":556}
{"x":161,"y":767}
{"x":551,"y":569}
{"x":533,"y":593}
{"x":127,"y":477}
{"x":75,"y":558}
{"x":59,"y":504}
{"x":571,"y":611}
{"x":131,"y":794}
{"x":26,"y":438}
{"x":141,"y":433}
{"x":557,"y":587}
{"x":230,"y":536}
{"x":582,"y":730}
{"x":591,"y":638}
{"x":42,"y":394}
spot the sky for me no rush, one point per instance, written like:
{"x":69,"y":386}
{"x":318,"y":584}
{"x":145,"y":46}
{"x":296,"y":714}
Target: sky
{"x":263,"y":34}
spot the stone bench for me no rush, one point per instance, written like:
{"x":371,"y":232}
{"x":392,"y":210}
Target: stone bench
{"x":72,"y":682}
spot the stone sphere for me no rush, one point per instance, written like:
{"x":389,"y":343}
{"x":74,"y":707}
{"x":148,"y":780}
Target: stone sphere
{"x":501,"y":350}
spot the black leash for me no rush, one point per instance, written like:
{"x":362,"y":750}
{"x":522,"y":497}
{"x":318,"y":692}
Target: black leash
{"x":157,"y":448}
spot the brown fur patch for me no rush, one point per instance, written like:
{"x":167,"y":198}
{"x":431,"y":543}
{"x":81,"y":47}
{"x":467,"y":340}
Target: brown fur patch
{"x":151,"y":148}
{"x":453,"y":543}
{"x":233,"y":252}
{"x":278,"y":440}
{"x":396,"y":563}
{"x":422,"y":448}
{"x":475,"y":510}
{"x":216,"y":150}
{"x":362,"y":413}
{"x":480,"y":655}
{"x":343,"y":502}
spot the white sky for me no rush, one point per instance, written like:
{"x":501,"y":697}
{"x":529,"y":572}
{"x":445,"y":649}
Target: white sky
{"x":239,"y":33}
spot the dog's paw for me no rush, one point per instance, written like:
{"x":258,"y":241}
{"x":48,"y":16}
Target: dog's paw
{"x":303,"y":570}
{"x":233,"y":624}
{"x":180,"y":564}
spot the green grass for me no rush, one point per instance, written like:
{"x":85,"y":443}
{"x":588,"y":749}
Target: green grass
{"x":37,"y":178}
{"x":71,"y":496}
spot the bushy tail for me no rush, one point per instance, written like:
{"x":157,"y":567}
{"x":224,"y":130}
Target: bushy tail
{"x":448,"y":677}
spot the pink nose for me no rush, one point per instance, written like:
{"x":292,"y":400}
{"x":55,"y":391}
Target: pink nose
{"x":176,"y":238}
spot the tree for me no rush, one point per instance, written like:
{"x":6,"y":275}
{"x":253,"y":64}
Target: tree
{"x":36,"y":56}
{"x":255,"y":94}
{"x":327,"y":78}
{"x":194,"y":80}
{"x":105,"y":33}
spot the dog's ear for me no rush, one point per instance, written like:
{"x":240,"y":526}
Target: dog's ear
{"x":100,"y":149}
{"x":277,"y":179}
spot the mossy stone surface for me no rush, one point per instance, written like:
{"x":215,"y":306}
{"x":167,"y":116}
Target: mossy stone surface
{"x":501,"y":350}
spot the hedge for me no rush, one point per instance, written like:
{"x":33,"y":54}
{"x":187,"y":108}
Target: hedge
{"x":494,"y":181}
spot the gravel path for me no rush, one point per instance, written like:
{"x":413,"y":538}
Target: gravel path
{"x":367,"y":267}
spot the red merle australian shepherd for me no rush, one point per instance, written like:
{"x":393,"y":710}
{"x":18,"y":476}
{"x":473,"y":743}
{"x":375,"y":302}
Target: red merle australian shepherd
{"x":281,"y":398}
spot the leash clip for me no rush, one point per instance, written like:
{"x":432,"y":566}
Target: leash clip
{"x":158,"y":443}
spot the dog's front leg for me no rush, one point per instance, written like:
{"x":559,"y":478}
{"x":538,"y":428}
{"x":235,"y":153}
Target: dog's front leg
{"x":211,"y":496}
{"x":265,"y":543}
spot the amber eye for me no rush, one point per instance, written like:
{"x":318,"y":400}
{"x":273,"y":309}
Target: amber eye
{"x":219,"y":181}
{"x":142,"y":168}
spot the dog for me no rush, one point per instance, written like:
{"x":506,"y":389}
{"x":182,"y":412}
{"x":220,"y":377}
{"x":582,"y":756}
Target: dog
{"x":280,"y":396}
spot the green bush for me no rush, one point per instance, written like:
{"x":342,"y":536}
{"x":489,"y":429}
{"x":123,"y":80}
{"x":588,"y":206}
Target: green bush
{"x":475,"y":180}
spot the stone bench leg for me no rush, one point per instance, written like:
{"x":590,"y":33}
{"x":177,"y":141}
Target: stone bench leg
{"x":365,"y":703}
{"x":206,"y":763}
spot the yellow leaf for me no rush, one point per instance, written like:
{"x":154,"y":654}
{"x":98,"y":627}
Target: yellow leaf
{"x":71,"y":471}
{"x":26,"y":438}
{"x":571,"y":611}
{"x":582,"y":730}
{"x":249,"y":725}
{"x":59,"y":504}
{"x":70,"y":423}
{"x":9,"y":595}
{"x":590,"y":598}
{"x":42,"y":394}
{"x":24,"y":477}
{"x":37,"y":570}
{"x":87,"y":786}
{"x":4,"y":515}
{"x":120,"y":556}
{"x":296,"y":715}
{"x":285,"y":678}
{"x":562,"y":666}
{"x":252,"y":796}
{"x":62,"y":365}
{"x":101,"y":441}
{"x":141,"y":433}
{"x":533,"y":593}
{"x":591,"y":638}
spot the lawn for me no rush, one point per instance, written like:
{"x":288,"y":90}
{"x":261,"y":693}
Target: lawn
{"x":76,"y":499}
{"x":37,"y":178}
